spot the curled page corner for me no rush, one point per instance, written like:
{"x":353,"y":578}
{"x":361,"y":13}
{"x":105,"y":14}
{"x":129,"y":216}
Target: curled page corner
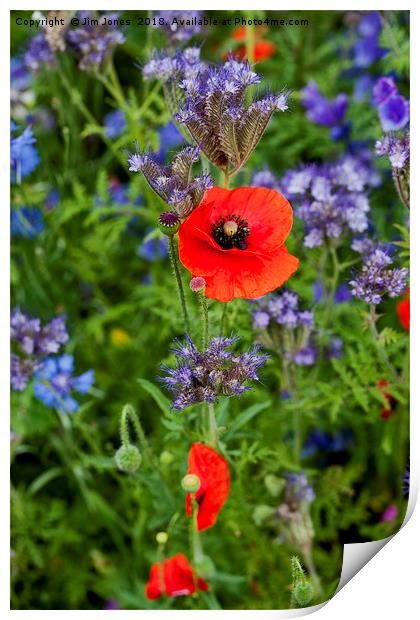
{"x":356,"y":555}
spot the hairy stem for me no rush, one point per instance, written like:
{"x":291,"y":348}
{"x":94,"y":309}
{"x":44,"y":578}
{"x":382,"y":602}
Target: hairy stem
{"x":204,"y":318}
{"x":213,"y":432}
{"x":178,"y":279}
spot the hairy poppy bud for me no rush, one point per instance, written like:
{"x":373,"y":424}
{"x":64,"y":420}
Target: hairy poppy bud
{"x":169,"y":222}
{"x":303,"y":593}
{"x":128,"y":458}
{"x":205,"y":567}
{"x":190,"y":483}
{"x":197,"y":284}
{"x":162,"y":538}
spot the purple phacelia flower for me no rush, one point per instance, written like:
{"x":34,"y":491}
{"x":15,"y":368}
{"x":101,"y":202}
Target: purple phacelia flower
{"x":204,"y":376}
{"x":331,"y":198}
{"x":178,"y":26}
{"x":94,"y":43}
{"x":378,"y":279}
{"x":39,"y":53}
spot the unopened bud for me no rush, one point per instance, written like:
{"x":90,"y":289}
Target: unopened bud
{"x":303,"y":593}
{"x":197,"y":284}
{"x":205,"y":568}
{"x":166,"y":457}
{"x":128,"y":458}
{"x":190,"y":483}
{"x":169,"y":222}
{"x":162,"y":538}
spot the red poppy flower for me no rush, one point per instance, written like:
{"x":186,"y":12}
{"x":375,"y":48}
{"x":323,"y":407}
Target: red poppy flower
{"x":235,"y":240}
{"x":403,"y":311}
{"x":213,"y":472}
{"x":262,"y":51}
{"x":386,"y":412}
{"x":175,"y":576}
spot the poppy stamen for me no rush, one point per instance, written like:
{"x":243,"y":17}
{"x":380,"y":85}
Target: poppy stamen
{"x":231,"y":231}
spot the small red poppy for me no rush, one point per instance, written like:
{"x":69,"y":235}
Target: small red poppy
{"x":213,"y":472}
{"x":174,"y":577}
{"x":403,"y":311}
{"x":386,"y":412}
{"x":235,"y":239}
{"x":262,"y":51}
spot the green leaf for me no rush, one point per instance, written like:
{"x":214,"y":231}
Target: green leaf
{"x":245,"y":417}
{"x":162,"y":402}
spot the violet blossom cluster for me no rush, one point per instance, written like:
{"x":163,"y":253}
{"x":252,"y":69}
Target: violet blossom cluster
{"x":293,"y":513}
{"x":283,"y":310}
{"x":211,"y":102}
{"x":173,"y":183}
{"x":393,"y":108}
{"x":31,"y":342}
{"x":325,"y":112}
{"x":331,"y":197}
{"x":377,"y":278}
{"x":396,"y":148}
{"x":203,"y":376}
{"x":92,"y":42}
{"x":178,"y":26}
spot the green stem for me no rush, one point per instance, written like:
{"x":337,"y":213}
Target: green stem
{"x":213,"y":432}
{"x":205,"y":319}
{"x":376,"y":338}
{"x":177,"y":274}
{"x":129,"y":415}
{"x":223,"y":318}
{"x":307,"y":554}
{"x":226,"y":179}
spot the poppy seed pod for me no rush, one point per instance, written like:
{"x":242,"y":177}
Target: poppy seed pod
{"x":190,"y":483}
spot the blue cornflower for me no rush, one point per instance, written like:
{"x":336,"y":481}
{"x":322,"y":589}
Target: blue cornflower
{"x":55,"y":383}
{"x":169,"y":136}
{"x":394,"y":113}
{"x":153,"y":248}
{"x":321,"y":441}
{"x":24,"y":156}
{"x":26,"y":222}
{"x":203,"y":376}
{"x":31,"y":343}
{"x":322,"y":111}
{"x":366,"y":49}
{"x":115,"y":124}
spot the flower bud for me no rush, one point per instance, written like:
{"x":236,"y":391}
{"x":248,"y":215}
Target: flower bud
{"x":274,"y":485}
{"x":303,"y":593}
{"x":128,"y":458}
{"x":166,"y":457}
{"x":169,"y":222}
{"x":197,"y":284}
{"x":261,"y":513}
{"x":162,"y":538}
{"x":190,"y":483}
{"x":205,"y":567}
